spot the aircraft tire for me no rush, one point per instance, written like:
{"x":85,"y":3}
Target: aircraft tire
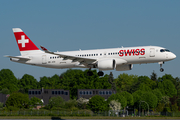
{"x":89,"y":73}
{"x":161,"y":69}
{"x":100,"y":73}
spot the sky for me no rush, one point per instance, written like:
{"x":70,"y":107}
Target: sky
{"x":67,"y":25}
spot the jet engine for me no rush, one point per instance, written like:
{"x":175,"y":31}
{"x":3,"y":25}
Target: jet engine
{"x":107,"y":64}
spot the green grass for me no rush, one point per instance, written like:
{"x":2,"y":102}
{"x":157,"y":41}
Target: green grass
{"x":91,"y":117}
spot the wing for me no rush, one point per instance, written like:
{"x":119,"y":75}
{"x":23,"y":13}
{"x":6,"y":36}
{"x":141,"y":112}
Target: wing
{"x":18,"y":57}
{"x":81,"y":60}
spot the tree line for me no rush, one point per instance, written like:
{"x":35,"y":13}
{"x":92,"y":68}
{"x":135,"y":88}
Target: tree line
{"x":160,"y":93}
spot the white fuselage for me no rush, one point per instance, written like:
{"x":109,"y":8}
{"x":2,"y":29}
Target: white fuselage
{"x":132,"y":55}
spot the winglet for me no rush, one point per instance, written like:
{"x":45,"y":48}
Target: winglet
{"x":46,"y":50}
{"x":43,"y":48}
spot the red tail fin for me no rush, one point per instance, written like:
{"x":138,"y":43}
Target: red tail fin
{"x":23,"y":41}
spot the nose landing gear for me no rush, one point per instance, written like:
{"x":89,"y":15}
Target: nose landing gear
{"x":161,"y":69}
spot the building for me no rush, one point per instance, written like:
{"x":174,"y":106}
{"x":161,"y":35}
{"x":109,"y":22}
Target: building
{"x":88,"y":93}
{"x":3,"y":97}
{"x":46,"y":94}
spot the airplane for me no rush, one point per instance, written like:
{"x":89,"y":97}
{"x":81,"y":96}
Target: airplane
{"x":119,"y":59}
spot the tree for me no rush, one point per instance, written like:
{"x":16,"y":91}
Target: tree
{"x":158,"y":94}
{"x":115,"y":105}
{"x":150,"y":98}
{"x":147,"y":81}
{"x":97,"y":103}
{"x":160,"y":107}
{"x":137,"y":97}
{"x":44,"y":82}
{"x":126,"y":82}
{"x":78,"y":79}
{"x":128,"y":97}
{"x":111,"y":81}
{"x":28,"y":82}
{"x":165,"y":100}
{"x":120,"y":98}
{"x":144,"y":87}
{"x":82,"y":102}
{"x":167,"y":88}
{"x":17,"y":100}
{"x":154,"y":76}
{"x":55,"y":103}
{"x":34,"y":101}
{"x":5,"y":91}
{"x":71,"y":104}
{"x":1,"y":105}
{"x":8,"y":80}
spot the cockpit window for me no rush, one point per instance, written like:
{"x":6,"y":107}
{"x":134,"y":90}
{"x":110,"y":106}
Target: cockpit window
{"x":164,"y":50}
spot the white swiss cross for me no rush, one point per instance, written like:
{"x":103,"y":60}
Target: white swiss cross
{"x":23,"y":40}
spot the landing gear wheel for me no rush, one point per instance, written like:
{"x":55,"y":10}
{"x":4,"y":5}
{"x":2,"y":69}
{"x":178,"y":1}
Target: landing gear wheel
{"x":89,"y":73}
{"x":161,"y":69}
{"x":100,"y":73}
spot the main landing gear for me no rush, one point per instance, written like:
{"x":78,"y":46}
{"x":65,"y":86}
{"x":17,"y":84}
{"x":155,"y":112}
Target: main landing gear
{"x":161,"y":69}
{"x":100,"y":73}
{"x":90,"y":73}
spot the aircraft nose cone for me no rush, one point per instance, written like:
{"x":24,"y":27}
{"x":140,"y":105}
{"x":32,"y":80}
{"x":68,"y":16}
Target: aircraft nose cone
{"x":173,"y":56}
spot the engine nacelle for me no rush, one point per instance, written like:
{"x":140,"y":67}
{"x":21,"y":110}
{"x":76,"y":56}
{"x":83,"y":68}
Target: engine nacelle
{"x":107,"y":64}
{"x":124,"y":67}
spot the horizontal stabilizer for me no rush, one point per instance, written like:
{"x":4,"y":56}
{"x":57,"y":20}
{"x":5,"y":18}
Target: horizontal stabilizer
{"x":18,"y":57}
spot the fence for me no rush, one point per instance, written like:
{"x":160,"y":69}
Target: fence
{"x":86,"y":113}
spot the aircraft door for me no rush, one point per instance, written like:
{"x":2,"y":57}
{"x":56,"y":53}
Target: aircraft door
{"x":152,"y":52}
{"x":44,"y":59}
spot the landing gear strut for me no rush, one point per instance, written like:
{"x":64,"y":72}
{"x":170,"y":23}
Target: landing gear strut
{"x":161,"y":69}
{"x":100,"y":73}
